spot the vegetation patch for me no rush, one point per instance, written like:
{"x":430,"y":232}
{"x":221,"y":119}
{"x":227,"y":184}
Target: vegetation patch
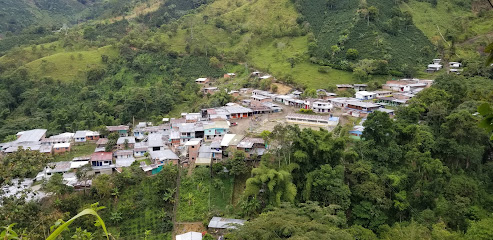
{"x":77,"y":150}
{"x":201,"y":195}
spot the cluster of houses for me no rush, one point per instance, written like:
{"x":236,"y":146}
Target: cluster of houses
{"x":454,"y":67}
{"x":204,"y":138}
{"x":394,"y":93}
{"x":195,"y":138}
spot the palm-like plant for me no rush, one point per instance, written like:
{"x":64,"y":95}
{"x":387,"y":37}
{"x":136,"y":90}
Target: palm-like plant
{"x":62,"y":226}
{"x":190,"y":198}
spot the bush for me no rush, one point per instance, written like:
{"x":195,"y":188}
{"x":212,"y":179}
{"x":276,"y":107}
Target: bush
{"x":324,"y":69}
{"x":352,"y":54}
{"x":306,"y":111}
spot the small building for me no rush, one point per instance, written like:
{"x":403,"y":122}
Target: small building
{"x":390,"y":112}
{"x":356,"y":132}
{"x":364,"y":95}
{"x":229,"y":75}
{"x":101,"y":143}
{"x":125,"y":143}
{"x":202,"y":80}
{"x":80,"y":137}
{"x":456,"y":71}
{"x":124,"y":158}
{"x":47,"y":149}
{"x":320,"y":106}
{"x":34,"y":135}
{"x":54,"y":167}
{"x":234,"y":93}
{"x":92,"y":135}
{"x":256,"y":74}
{"x":83,"y":136}
{"x":455,"y":64}
{"x":189,"y":236}
{"x":231,"y":141}
{"x":155,"y":142}
{"x":252,"y":147}
{"x":215,"y":129}
{"x":174,"y":137}
{"x":140,"y":149}
{"x":61,"y":148}
{"x":54,"y":140}
{"x":237,"y":111}
{"x":297,"y":94}
{"x":257,"y":100}
{"x":78,"y":162}
{"x":192,"y":148}
{"x":363,"y":106}
{"x":312,"y":120}
{"x":210,"y":90}
{"x":187,"y":131}
{"x":101,"y":159}
{"x":344,"y":87}
{"x":225,"y":223}
{"x":397,"y":87}
{"x":246,"y":90}
{"x":204,"y":157}
{"x":164,"y":156}
{"x":383,"y":93}
{"x":360,"y":87}
{"x":122,"y":130}
{"x":434,"y":67}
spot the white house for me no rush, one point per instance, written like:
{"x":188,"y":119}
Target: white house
{"x":189,"y":236}
{"x":365,"y":95}
{"x":455,"y":64}
{"x":322,"y":106}
{"x":434,"y":67}
{"x":80,"y":136}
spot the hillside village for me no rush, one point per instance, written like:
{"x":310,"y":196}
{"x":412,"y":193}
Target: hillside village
{"x":208,"y":136}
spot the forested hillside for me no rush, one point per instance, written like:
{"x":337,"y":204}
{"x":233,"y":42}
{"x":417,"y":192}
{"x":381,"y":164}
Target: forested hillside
{"x":376,"y":29}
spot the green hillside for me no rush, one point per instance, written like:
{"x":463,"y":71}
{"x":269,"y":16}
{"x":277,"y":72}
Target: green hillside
{"x":302,"y":43}
{"x":67,"y":66}
{"x":377,"y":29}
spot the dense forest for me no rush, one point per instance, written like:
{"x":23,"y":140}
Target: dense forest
{"x":427,"y":173}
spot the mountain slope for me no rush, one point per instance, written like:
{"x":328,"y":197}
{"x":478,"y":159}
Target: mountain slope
{"x":377,"y":29}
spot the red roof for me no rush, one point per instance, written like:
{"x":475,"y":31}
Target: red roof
{"x":102,"y":156}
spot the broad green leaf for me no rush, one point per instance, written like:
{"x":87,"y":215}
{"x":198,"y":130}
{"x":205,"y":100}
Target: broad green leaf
{"x":60,"y":229}
{"x":484,"y":109}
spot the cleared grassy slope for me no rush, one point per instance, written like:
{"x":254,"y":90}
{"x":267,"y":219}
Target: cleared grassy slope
{"x":270,"y":58}
{"x":66,"y":66}
{"x":444,"y":15}
{"x":452,"y":19}
{"x":250,"y":25}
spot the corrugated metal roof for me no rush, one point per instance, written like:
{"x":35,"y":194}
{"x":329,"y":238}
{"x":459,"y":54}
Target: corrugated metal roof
{"x":34,"y":135}
{"x":223,"y":223}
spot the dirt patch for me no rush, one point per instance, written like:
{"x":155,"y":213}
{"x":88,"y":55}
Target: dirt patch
{"x":140,"y":9}
{"x":282,"y":89}
{"x":184,"y":227}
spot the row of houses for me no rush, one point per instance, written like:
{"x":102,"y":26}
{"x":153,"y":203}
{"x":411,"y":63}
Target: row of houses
{"x":352,"y":106}
{"x":436,"y":65}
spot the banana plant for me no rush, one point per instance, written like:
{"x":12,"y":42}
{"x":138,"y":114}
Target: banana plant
{"x":89,"y":211}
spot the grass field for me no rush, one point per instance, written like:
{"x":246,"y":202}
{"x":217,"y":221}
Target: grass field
{"x":67,"y":66}
{"x":195,"y":192}
{"x":460,"y":21}
{"x":272,"y":57}
{"x":76,"y":151}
